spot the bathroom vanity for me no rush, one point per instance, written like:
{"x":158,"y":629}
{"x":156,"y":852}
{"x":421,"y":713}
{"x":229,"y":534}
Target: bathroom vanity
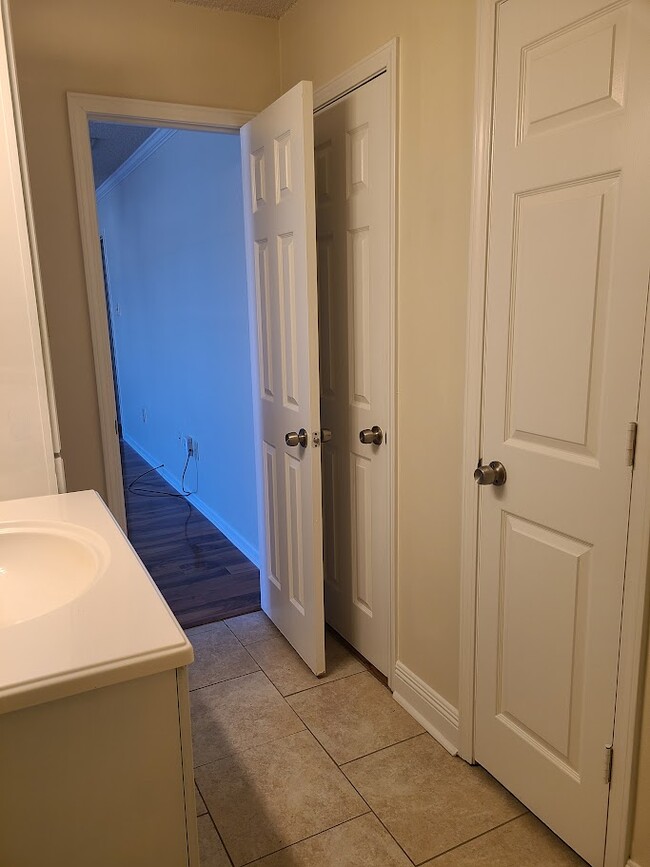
{"x":95,"y":742}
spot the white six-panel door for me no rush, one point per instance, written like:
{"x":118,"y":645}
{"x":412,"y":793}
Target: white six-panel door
{"x":353,"y":225}
{"x":278,"y":173}
{"x":567,"y":281}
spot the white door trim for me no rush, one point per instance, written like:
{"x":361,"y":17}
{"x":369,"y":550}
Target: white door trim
{"x":631,"y":660}
{"x":384,"y":60}
{"x":83,"y":107}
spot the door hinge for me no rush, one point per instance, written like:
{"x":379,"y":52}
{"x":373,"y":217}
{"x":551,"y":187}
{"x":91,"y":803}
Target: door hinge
{"x":630,"y":448}
{"x":609,"y":754}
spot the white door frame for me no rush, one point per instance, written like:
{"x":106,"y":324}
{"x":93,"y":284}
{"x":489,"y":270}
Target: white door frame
{"x":82,"y":108}
{"x":629,"y":686}
{"x":384,"y":60}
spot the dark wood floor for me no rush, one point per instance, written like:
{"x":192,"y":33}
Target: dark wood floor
{"x":201,"y":574}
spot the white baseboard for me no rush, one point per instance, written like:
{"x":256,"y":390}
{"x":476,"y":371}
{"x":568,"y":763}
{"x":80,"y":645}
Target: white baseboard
{"x":431,"y":710}
{"x":223,"y":526}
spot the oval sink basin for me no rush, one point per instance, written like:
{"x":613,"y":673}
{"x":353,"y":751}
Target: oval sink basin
{"x":45,"y":566}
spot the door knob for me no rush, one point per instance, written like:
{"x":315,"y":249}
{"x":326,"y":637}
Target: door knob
{"x":372,"y":436}
{"x":492,"y":474}
{"x":300,"y":438}
{"x":325,"y":435}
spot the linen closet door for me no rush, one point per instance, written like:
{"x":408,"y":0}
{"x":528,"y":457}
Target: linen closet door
{"x":353,"y":178}
{"x":278,"y":172}
{"x":567,"y":283}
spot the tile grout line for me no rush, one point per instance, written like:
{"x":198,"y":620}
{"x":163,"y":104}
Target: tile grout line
{"x":309,"y":837}
{"x":214,"y":825}
{"x":326,"y":682}
{"x":349,"y":781}
{"x":476,"y":837}
{"x":379,"y":749}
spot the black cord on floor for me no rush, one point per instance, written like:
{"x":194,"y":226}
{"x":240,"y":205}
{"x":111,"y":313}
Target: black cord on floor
{"x":152,"y":492}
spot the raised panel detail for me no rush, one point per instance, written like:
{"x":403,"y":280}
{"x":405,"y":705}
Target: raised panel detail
{"x":323,"y":169}
{"x":330,"y":466}
{"x":287,"y":298}
{"x":543,"y":601}
{"x":361,"y":492}
{"x":359,"y":292}
{"x":282,"y":155}
{"x":295,"y":565}
{"x":326,"y":320}
{"x":271,"y":511}
{"x":258,"y":179}
{"x":357,"y":160}
{"x":264,"y":319}
{"x":560,"y":282}
{"x":575,"y":74}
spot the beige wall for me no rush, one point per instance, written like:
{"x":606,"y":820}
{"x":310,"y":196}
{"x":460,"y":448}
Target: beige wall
{"x":150,"y":49}
{"x":318,"y":41}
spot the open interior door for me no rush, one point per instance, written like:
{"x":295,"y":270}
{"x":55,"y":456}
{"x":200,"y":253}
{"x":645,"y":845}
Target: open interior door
{"x":279,"y":205}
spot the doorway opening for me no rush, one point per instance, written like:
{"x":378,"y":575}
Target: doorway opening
{"x":356,"y":311}
{"x":170,"y":218}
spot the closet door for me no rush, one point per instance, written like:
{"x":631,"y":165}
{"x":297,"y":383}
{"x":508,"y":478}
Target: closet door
{"x":567,"y":287}
{"x":279,"y":200}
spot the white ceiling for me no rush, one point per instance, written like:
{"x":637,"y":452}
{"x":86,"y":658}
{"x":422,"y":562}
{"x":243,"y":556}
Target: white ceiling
{"x":265,"y":8}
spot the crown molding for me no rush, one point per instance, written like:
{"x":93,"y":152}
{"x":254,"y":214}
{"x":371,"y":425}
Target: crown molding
{"x":148,"y":147}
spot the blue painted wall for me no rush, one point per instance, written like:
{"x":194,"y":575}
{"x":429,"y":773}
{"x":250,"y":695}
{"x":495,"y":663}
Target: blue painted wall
{"x":174,"y":239}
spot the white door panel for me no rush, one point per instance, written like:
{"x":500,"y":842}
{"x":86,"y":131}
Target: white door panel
{"x":278,"y":172}
{"x":353,"y":225}
{"x":567,"y":281}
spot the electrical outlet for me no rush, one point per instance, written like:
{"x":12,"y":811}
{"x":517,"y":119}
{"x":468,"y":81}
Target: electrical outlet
{"x":190,"y":446}
{"x":195,"y":449}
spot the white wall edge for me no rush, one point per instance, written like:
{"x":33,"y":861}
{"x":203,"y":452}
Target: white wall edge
{"x":148,"y":147}
{"x":431,"y":710}
{"x":222,"y":525}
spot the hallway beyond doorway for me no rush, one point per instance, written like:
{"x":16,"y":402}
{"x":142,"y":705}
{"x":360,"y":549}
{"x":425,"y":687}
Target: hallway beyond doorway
{"x":201,"y":574}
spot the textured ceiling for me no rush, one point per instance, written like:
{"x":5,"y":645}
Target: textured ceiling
{"x":112,"y":144}
{"x":265,"y":8}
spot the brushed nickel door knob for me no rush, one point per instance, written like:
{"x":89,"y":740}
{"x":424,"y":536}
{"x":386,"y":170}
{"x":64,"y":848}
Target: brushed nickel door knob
{"x":372,"y":436}
{"x":493,"y":473}
{"x":297,"y":438}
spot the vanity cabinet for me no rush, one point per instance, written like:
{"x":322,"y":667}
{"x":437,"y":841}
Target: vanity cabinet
{"x":101,"y":778}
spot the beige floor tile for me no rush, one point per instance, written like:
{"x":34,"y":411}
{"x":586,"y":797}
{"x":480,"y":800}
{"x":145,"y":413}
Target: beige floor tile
{"x":201,"y":809}
{"x":289,"y":673}
{"x":210,"y":846}
{"x":429,"y":800}
{"x":362,"y":842}
{"x":354,"y":717}
{"x":252,"y":627}
{"x":272,"y":796}
{"x":218,"y":655}
{"x":524,"y":841}
{"x":238,"y":714}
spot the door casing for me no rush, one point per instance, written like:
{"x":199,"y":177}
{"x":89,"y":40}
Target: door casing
{"x":82,"y":108}
{"x":628,"y":694}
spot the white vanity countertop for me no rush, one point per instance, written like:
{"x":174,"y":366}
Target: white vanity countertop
{"x":118,"y":629}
